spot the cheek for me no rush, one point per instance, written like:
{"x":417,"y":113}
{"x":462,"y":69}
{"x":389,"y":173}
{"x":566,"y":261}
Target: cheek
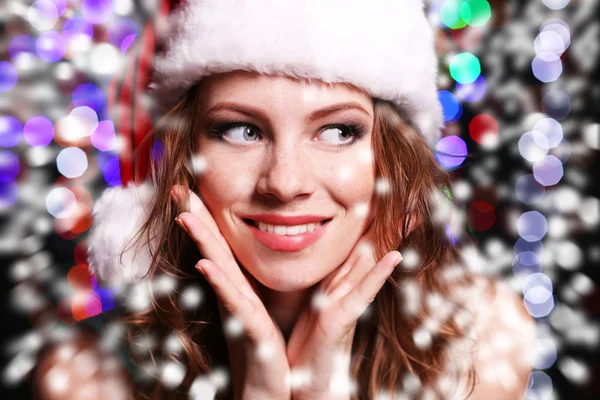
{"x":352,"y":180}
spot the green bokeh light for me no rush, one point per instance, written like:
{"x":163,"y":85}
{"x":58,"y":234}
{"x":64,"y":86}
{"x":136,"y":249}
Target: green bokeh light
{"x":479,"y":12}
{"x":456,"y":14}
{"x":450,"y":14}
{"x":465,"y":68}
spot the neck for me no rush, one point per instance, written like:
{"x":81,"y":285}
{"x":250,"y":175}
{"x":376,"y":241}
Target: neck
{"x":285,"y":307}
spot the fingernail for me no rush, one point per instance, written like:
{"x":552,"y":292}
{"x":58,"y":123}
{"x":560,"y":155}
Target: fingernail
{"x":200,"y":269}
{"x":181,"y":223}
{"x":398,"y":259}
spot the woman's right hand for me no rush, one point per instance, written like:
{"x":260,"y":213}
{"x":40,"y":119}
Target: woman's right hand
{"x":259,"y":364}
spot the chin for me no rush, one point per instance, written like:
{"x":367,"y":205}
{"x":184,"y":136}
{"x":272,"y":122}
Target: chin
{"x":286,"y":282}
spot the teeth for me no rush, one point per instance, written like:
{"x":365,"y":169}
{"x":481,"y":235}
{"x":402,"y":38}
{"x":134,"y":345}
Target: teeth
{"x":286,"y":230}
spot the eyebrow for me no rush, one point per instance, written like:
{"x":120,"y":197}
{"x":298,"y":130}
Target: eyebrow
{"x":258,"y":113}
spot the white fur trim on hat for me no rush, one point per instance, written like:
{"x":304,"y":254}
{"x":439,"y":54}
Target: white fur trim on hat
{"x":385,"y":47}
{"x":118,"y":213}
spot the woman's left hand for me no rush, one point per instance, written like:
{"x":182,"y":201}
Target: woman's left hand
{"x":320,"y":345}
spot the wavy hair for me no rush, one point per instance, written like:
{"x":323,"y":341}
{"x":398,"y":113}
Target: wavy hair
{"x":405,"y":335}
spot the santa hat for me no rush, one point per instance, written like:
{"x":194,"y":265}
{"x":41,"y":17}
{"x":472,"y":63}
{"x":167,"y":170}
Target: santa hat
{"x":385,"y":47}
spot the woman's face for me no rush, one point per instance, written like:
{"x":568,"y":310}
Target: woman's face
{"x":284,"y":160}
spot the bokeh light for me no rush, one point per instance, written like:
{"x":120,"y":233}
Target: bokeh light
{"x":556,"y":104}
{"x":96,"y":11}
{"x":546,"y":66}
{"x":475,"y":12}
{"x":483,"y":128}
{"x":546,"y":353}
{"x":104,"y":59}
{"x":526,"y":263}
{"x":451,"y":151}
{"x":528,"y":190}
{"x":538,"y":296}
{"x":530,"y":149}
{"x":547,"y":133}
{"x":9,"y":193}
{"x":532,"y":226}
{"x":51,"y":46}
{"x":8,"y":76}
{"x":556,"y":4}
{"x":111,"y":172}
{"x":42,"y":15}
{"x":88,"y":95}
{"x":481,"y":216}
{"x":450,"y":13}
{"x":76,"y":26}
{"x":122,"y":34}
{"x":9,"y":166}
{"x":21,"y":44}
{"x":72,"y":162}
{"x":451,"y":107}
{"x":11,"y":131}
{"x":465,"y":68}
{"x":38,"y":131}
{"x":104,"y":137}
{"x":548,"y":170}
{"x":61,"y":202}
{"x":473,"y":91}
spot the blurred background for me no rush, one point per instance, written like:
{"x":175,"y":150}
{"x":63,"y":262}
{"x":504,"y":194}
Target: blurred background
{"x":520,"y":94}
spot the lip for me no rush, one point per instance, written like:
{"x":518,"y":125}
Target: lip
{"x":275,"y":219}
{"x":288,"y":243}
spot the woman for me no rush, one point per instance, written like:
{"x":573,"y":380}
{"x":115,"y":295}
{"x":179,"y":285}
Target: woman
{"x":284,"y":118}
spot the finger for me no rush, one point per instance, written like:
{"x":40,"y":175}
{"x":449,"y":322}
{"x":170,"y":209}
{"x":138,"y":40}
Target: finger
{"x":250,"y":314}
{"x":362,"y":266}
{"x":363,"y":294}
{"x":189,"y":201}
{"x":210,"y":248}
{"x":363,"y":249}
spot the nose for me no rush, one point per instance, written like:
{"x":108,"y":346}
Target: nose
{"x":287,"y":173}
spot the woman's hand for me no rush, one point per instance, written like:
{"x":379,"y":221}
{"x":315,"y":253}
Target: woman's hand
{"x":320,"y":345}
{"x":258,"y":359}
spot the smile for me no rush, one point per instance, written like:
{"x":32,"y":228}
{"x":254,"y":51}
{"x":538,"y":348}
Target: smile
{"x":287,"y":238}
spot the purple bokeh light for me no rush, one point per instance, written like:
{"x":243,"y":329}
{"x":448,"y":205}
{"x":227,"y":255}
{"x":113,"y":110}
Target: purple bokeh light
{"x":96,"y":11}
{"x":88,"y":95}
{"x":546,"y":67}
{"x":9,"y":166}
{"x":11,"y":131}
{"x":8,"y":76}
{"x":556,"y":104}
{"x":104,"y":137}
{"x":532,"y":226}
{"x":548,"y":171}
{"x":21,"y":44}
{"x":77,"y":26}
{"x":9,"y":193}
{"x":111,"y":171}
{"x":38,"y":131}
{"x":122,"y":34}
{"x":61,"y":6}
{"x":528,"y":190}
{"x":451,"y":151}
{"x":473,"y":91}
{"x":51,"y":46}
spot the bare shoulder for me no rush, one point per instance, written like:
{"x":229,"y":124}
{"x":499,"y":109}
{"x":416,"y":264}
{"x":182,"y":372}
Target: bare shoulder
{"x":502,"y":338}
{"x":79,"y":369}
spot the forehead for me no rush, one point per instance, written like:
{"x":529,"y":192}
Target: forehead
{"x":276,"y":91}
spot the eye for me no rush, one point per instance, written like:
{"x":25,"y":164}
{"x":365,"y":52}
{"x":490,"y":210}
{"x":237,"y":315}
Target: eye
{"x":337,"y":132}
{"x":343,"y":131}
{"x":238,"y":131}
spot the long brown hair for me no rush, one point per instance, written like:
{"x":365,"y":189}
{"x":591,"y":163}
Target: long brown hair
{"x":386,"y":348}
